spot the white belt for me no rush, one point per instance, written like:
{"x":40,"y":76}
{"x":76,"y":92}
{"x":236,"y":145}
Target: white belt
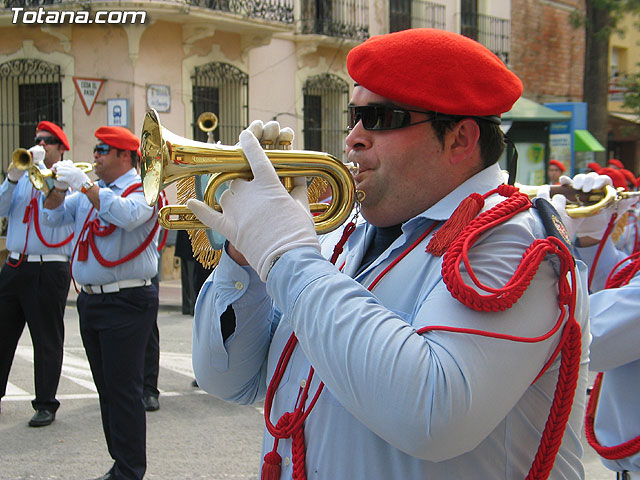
{"x":50,"y":257}
{"x":116,"y":286}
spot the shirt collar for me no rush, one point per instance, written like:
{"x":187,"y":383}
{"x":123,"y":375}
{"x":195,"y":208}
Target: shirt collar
{"x":122,"y":181}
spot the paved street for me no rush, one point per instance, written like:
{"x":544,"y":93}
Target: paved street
{"x":192,"y":436}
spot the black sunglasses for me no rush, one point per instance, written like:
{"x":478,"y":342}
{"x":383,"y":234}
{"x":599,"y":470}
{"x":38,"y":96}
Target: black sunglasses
{"x":102,"y":149}
{"x":46,"y":140}
{"x":380,"y":117}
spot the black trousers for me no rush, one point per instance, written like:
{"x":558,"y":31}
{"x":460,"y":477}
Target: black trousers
{"x":36,"y":294}
{"x":152,"y":355}
{"x":115,"y":329}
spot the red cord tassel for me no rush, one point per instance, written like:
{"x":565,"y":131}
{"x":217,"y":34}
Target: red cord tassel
{"x":460,"y":218}
{"x":271,"y":466}
{"x":83,"y":250}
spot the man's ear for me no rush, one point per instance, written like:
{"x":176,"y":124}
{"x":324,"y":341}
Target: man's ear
{"x":464,"y":139}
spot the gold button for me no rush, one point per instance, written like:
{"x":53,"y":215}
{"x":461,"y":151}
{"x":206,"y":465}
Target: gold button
{"x":239,"y":286}
{"x":303,"y":383}
{"x":287,"y":461}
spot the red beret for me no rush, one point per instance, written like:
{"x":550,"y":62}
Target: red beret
{"x":616,"y":163}
{"x":55,"y":130}
{"x":558,"y":164}
{"x":630,"y":177}
{"x":118,"y":137}
{"x":594,"y":166}
{"x":435,"y":70}
{"x":615,"y":175}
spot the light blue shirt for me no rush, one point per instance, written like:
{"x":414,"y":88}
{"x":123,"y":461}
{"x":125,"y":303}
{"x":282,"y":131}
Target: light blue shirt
{"x":615,"y":327}
{"x":397,"y":405}
{"x":14,"y":199}
{"x":134,"y":219}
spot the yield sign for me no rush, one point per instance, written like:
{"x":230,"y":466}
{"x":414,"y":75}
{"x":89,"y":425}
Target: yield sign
{"x":88,"y":89}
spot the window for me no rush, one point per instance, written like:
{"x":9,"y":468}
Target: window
{"x":30,"y":91}
{"x":224,"y":90}
{"x":325,"y":114}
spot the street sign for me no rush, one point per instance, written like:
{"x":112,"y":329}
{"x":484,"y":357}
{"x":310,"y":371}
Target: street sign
{"x":88,"y":89}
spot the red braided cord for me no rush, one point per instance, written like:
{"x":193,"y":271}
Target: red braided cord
{"x":503,"y":298}
{"x":607,"y":232}
{"x":34,"y":212}
{"x":31,"y":212}
{"x":614,"y":452}
{"x":624,"y":276}
{"x":93,"y":228}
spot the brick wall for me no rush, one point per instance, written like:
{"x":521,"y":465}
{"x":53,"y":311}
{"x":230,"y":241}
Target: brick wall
{"x":547,"y":52}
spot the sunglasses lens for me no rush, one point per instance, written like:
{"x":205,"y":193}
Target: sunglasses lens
{"x":47,"y":140}
{"x":101,"y":149}
{"x":378,"y":118}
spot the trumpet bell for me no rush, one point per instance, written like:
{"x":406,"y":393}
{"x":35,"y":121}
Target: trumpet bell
{"x":207,"y":122}
{"x":41,"y":179}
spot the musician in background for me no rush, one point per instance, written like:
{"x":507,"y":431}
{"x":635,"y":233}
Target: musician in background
{"x":554,"y":171}
{"x":34,"y":282}
{"x":613,"y":418}
{"x":114,"y":262}
{"x":416,"y":383}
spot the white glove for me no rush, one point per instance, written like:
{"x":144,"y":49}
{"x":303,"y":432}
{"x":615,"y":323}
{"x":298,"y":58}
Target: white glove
{"x":71,"y":175}
{"x":60,"y":185}
{"x":259,"y":217}
{"x":589,"y":181}
{"x":270,"y":134}
{"x":14,"y":174}
{"x":37,"y":154}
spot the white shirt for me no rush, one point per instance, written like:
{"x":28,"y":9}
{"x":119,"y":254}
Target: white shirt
{"x":397,"y":405}
{"x":134,"y":220}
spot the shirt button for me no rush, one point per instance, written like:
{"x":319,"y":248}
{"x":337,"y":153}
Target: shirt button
{"x":239,"y":286}
{"x":303,"y":383}
{"x":287,"y":461}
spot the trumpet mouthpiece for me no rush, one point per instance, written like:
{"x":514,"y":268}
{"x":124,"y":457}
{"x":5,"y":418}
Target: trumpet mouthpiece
{"x":353,"y":168}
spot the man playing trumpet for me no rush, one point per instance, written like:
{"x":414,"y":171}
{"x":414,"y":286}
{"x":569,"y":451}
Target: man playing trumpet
{"x":115,"y":259}
{"x":401,"y":357}
{"x":34,"y":283}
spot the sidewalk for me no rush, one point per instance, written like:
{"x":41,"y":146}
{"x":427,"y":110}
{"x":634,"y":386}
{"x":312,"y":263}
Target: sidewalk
{"x":170,"y":295}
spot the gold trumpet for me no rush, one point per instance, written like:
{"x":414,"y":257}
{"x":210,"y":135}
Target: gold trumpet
{"x":167,"y":157}
{"x":208,"y":122}
{"x":583,"y":204}
{"x":23,"y":160}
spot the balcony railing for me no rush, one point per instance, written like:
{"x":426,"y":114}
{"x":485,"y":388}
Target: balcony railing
{"x":336,"y":18}
{"x":493,"y":32}
{"x":404,"y":14}
{"x":28,"y":3}
{"x":275,"y":10}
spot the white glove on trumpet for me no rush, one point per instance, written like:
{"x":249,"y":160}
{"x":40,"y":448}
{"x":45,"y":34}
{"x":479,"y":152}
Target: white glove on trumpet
{"x":68,"y":173}
{"x":37,"y":154}
{"x":259,"y":218}
{"x":60,"y":185}
{"x":593,"y":226}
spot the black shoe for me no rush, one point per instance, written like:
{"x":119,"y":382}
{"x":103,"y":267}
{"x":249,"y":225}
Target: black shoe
{"x":42,"y":418}
{"x":151,"y":403}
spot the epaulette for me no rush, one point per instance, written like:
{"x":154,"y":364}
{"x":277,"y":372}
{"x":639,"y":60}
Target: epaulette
{"x":551,"y":221}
